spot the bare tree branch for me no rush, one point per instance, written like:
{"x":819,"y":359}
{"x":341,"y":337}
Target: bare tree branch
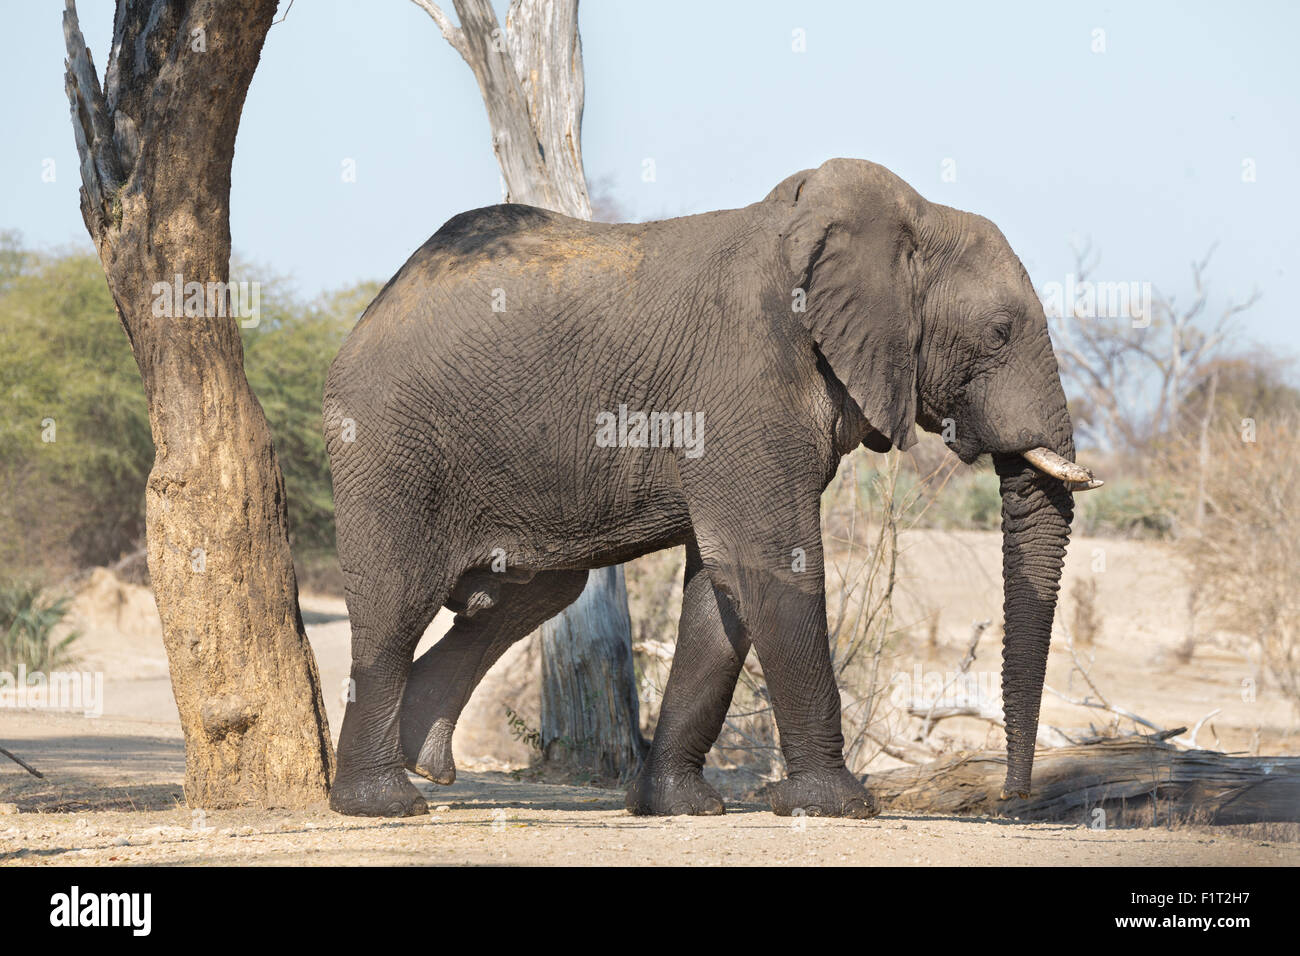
{"x":1134,"y":379}
{"x":22,"y":763}
{"x":450,"y":32}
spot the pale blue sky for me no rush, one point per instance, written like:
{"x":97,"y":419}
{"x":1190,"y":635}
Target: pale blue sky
{"x":1140,"y":147}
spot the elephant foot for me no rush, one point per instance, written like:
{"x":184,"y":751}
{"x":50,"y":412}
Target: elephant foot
{"x":389,"y":795}
{"x":435,"y":762}
{"x":824,"y":793}
{"x":672,"y":794}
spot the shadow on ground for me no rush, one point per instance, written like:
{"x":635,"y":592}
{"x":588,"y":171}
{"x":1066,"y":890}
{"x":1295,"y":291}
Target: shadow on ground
{"x":95,"y":772}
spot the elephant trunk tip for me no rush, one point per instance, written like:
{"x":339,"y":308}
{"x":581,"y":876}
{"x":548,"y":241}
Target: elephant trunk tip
{"x":1020,"y":768}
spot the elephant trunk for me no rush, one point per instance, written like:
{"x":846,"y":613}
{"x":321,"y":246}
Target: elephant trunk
{"x":1036,"y":513}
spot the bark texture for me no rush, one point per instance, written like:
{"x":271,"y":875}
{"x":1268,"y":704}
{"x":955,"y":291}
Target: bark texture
{"x":1135,"y":781}
{"x":156,"y":145}
{"x":589,"y":702}
{"x":530,"y":77}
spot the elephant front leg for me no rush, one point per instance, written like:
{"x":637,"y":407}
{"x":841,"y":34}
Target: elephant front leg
{"x":789,"y":629}
{"x":711,"y":648}
{"x":766,"y":571}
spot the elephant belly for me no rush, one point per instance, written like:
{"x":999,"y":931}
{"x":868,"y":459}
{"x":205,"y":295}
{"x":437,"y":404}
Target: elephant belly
{"x":659,"y":522}
{"x":555,"y":519}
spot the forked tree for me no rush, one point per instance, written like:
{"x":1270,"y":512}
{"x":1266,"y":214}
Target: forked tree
{"x":530,"y":76}
{"x":155,"y":146}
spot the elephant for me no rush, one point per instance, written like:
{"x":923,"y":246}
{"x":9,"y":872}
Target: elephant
{"x":533,"y":396}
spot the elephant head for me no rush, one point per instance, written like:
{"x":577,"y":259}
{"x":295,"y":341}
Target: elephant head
{"x":925,"y":315}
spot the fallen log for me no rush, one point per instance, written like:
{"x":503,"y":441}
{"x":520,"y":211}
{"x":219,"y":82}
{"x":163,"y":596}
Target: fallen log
{"x":1136,"y":781}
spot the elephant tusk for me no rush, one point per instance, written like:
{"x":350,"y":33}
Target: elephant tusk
{"x":1075,"y":476}
{"x":1084,"y":485}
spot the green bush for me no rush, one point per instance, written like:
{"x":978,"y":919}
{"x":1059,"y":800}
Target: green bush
{"x":27,"y":623}
{"x":75,"y":442}
{"x":286,"y":357}
{"x":968,"y":500}
{"x":971,"y":500}
{"x":75,"y":447}
{"x":1126,"y":508}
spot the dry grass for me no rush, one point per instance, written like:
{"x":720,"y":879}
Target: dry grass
{"x":1245,"y":551}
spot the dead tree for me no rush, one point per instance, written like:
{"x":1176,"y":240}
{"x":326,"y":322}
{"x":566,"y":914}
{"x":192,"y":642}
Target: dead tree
{"x":530,"y":77}
{"x":156,"y":145}
{"x":1130,"y":372}
{"x":1134,"y":781}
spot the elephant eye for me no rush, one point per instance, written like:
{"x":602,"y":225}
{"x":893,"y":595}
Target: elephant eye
{"x":997,"y":335}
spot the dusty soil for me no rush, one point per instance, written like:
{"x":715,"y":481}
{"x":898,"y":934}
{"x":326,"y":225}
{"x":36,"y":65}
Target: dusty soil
{"x":113,"y":797}
{"x":112,"y":793}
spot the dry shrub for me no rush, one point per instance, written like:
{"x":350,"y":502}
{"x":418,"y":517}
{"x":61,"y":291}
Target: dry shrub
{"x":1245,"y":554}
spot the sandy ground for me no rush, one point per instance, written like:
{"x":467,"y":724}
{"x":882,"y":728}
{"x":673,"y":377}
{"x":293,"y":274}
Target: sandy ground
{"x":113,"y":797}
{"x":112,"y":793}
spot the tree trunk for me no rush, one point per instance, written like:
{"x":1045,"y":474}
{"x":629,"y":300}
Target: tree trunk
{"x":156,"y":148}
{"x":586,"y":645}
{"x":1134,"y":781}
{"x":530,"y":76}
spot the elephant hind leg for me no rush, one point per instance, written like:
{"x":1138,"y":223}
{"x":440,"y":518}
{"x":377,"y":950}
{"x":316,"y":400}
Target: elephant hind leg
{"x":445,"y":676}
{"x":479,"y":589}
{"x":393,"y":592}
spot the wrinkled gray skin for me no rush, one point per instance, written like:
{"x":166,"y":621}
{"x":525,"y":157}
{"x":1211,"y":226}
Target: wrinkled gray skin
{"x":474,"y":430}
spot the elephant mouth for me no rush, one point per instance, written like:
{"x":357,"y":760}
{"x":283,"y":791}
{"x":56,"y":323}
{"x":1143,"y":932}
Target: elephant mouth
{"x":1075,"y":476}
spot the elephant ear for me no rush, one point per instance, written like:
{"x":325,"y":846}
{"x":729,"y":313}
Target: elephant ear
{"x":848,"y":239}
